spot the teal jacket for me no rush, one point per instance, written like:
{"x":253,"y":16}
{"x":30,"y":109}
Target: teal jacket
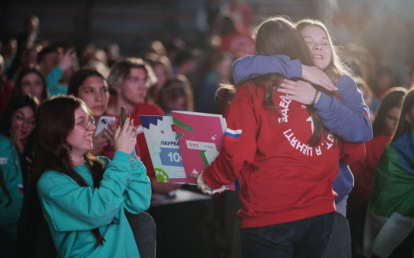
{"x":72,"y":211}
{"x":10,"y":168}
{"x":52,"y":82}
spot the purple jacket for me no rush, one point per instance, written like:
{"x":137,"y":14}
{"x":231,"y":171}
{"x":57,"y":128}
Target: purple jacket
{"x":348,"y":117}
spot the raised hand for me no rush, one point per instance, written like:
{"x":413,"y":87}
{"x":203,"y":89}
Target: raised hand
{"x":15,"y":138}
{"x":126,"y":137}
{"x":66,"y":59}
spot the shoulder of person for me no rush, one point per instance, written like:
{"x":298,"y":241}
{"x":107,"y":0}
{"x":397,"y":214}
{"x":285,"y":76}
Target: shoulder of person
{"x":50,"y":179}
{"x":5,"y":142}
{"x":246,"y":91}
{"x":345,"y":78}
{"x":105,"y":160}
{"x":150,"y":108}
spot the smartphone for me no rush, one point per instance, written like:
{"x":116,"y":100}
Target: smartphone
{"x":103,"y":123}
{"x":123,"y":117}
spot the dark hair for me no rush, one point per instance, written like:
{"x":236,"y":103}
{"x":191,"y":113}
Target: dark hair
{"x":79,"y":77}
{"x":403,"y":124}
{"x":14,"y":104}
{"x":277,"y":36}
{"x":55,"y":119}
{"x":17,"y":90}
{"x":175,"y":87}
{"x":226,"y":25}
{"x":45,"y":51}
{"x":393,"y":98}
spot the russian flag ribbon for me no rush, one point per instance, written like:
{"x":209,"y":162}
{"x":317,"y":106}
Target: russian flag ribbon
{"x":233,"y":135}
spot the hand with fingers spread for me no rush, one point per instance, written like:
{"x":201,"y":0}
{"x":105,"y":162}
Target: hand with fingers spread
{"x":126,"y":137}
{"x":300,"y":91}
{"x":318,"y":77}
{"x":66,"y":59}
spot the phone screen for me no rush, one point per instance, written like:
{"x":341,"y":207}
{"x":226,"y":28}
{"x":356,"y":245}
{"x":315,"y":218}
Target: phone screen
{"x":123,"y":116}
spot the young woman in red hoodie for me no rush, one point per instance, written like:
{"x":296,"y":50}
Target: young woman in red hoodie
{"x":286,"y":161}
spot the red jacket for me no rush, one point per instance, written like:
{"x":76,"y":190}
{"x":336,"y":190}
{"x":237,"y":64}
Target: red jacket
{"x":364,"y":173}
{"x":282,"y":179}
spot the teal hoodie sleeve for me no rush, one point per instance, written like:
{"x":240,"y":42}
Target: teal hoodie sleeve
{"x":73,"y":208}
{"x":138,"y":192}
{"x":12,"y":175}
{"x":52,"y":82}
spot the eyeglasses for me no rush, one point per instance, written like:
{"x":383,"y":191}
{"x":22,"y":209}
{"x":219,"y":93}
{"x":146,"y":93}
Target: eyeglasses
{"x":87,"y":123}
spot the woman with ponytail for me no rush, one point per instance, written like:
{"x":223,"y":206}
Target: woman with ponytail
{"x":83,"y":197}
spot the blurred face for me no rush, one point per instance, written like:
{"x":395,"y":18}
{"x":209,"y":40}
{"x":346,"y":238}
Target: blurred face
{"x":224,"y":68}
{"x":32,"y":85}
{"x":134,"y":87}
{"x":174,"y":99}
{"x":49,"y":62}
{"x":410,"y":117}
{"x":318,"y":43}
{"x":80,"y":138}
{"x":384,"y":82}
{"x":24,"y":120}
{"x":365,"y":96}
{"x":160,"y":74}
{"x":32,"y":56}
{"x":391,"y":120}
{"x":94,"y":92}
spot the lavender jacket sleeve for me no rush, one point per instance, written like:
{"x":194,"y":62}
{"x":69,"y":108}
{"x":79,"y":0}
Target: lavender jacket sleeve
{"x":336,"y":115}
{"x":253,"y":66}
{"x":347,"y":117}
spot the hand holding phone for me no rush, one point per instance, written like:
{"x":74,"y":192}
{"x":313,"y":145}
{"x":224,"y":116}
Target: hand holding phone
{"x":103,"y":123}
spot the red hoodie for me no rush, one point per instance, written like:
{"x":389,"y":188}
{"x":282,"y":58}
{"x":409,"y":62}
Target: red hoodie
{"x":282,"y":179}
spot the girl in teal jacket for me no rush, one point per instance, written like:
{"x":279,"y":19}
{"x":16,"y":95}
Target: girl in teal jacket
{"x":11,"y":195}
{"x":84,"y":198}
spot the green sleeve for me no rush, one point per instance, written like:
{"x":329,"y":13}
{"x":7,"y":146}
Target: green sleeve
{"x":70,"y":207}
{"x":10,"y":169}
{"x":138,"y":193}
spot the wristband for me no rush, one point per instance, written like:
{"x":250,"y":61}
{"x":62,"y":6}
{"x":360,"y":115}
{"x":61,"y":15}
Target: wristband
{"x":314,"y":97}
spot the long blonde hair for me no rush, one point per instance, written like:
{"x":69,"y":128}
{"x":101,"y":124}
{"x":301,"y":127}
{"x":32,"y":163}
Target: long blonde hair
{"x":335,"y":69}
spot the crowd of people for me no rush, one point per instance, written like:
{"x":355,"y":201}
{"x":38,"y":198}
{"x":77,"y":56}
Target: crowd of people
{"x":308,"y":135}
